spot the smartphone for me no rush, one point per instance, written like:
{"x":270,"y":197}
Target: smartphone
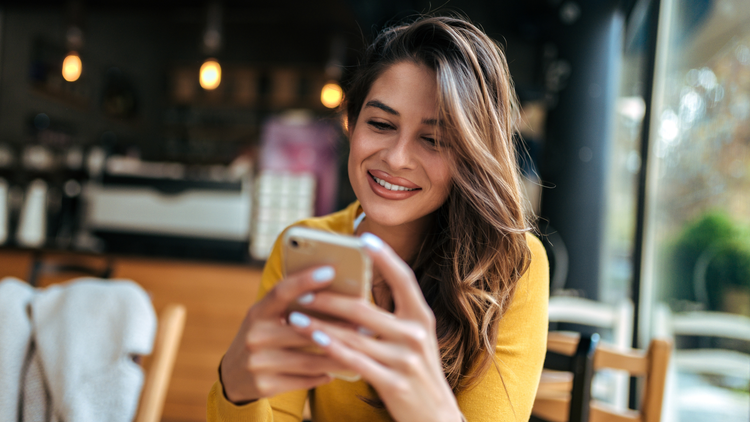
{"x":305,"y":248}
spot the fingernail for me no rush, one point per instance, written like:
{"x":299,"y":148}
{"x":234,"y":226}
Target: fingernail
{"x":323,"y":274}
{"x":299,"y":320}
{"x":305,"y":299}
{"x":321,"y":338}
{"x":372,"y":242}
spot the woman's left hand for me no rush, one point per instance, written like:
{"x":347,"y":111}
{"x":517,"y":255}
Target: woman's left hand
{"x":403,"y":361}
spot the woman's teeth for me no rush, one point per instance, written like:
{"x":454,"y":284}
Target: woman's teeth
{"x":389,"y":186}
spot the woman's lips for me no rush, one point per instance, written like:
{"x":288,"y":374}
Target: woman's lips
{"x":383,"y":192}
{"x":393,"y":180}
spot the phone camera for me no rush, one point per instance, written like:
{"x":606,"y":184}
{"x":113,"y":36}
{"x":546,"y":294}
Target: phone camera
{"x":294,"y":243}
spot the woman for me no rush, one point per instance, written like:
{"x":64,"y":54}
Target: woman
{"x":459,"y":320}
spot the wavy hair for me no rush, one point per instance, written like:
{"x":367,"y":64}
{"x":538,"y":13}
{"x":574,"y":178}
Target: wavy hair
{"x":469,"y":265}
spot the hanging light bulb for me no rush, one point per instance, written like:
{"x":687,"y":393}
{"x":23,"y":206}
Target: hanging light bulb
{"x":210,"y":75}
{"x":331,"y":95}
{"x":71,"y":68}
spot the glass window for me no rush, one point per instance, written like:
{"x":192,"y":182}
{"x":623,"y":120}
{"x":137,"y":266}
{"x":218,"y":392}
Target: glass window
{"x":625,"y":162}
{"x":697,"y":239}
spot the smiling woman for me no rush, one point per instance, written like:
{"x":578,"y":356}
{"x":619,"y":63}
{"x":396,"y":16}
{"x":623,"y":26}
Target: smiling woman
{"x":456,"y":328}
{"x":395,"y":168}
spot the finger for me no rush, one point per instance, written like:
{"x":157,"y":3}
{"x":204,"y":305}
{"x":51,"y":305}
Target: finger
{"x":269,"y":385}
{"x":295,"y":285}
{"x":407,"y":296}
{"x":371,"y":370}
{"x":292,"y":362}
{"x":273,"y":334}
{"x":363,"y":314}
{"x":403,"y":356}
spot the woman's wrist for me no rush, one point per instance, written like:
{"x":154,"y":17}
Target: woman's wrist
{"x":224,"y":390}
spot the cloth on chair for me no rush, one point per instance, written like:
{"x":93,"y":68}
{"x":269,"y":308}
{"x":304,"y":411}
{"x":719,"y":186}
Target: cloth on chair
{"x":15,"y":338}
{"x":80,"y":337}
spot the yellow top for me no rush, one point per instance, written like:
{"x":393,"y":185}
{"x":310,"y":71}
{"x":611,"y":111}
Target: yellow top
{"x":521,"y":346}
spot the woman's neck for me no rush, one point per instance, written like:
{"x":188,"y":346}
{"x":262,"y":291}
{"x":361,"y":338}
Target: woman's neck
{"x":405,"y":239}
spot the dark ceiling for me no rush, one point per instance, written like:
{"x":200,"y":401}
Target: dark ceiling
{"x":301,"y":31}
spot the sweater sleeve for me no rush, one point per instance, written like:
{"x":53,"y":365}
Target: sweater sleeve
{"x":285,"y":407}
{"x":507,"y":391}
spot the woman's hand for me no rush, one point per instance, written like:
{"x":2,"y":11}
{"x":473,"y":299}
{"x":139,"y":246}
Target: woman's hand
{"x":403,"y":361}
{"x":264,"y":360}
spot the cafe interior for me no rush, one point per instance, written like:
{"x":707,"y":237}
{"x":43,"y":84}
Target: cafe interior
{"x":170,"y":143}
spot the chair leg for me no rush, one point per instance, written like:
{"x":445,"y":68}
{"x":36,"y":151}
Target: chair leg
{"x":583,"y":368}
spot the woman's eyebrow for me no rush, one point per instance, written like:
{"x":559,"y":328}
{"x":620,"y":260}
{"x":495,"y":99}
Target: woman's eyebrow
{"x":378,"y":104}
{"x":389,"y":110}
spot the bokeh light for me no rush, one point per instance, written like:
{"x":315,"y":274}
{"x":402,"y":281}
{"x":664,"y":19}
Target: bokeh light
{"x":71,"y":69}
{"x":331,"y":95}
{"x":210,"y":75}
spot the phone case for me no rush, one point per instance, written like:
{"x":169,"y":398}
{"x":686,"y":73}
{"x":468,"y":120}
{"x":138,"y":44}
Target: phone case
{"x":304,"y":248}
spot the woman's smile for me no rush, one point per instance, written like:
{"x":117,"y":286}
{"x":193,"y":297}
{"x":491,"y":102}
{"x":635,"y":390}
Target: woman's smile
{"x":389,"y":187}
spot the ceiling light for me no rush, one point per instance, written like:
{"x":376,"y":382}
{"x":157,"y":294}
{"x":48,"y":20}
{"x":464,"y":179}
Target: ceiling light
{"x":331,"y":95}
{"x":210,"y":75}
{"x":71,"y":68}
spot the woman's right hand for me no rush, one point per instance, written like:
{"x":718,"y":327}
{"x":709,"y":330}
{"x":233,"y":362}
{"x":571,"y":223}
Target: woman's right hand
{"x":264,"y":359}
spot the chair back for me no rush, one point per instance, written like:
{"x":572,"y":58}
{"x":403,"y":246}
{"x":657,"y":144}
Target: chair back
{"x":651,"y":365}
{"x":563,"y":399}
{"x":615,"y":317}
{"x":703,"y":360}
{"x":51,"y":269}
{"x":159,"y":366}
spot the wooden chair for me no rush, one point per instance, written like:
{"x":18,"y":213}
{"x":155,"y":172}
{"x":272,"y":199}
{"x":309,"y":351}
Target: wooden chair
{"x":618,"y":318}
{"x":553,"y":401}
{"x":714,"y":361}
{"x":52,"y":268}
{"x":159,"y":364}
{"x":568,"y":377}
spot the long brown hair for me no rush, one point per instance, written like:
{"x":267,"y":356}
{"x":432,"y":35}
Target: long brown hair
{"x":470,"y":263}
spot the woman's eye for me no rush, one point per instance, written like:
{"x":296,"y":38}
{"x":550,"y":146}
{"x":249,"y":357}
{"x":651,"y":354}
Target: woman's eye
{"x":430,"y":141}
{"x":380,"y":125}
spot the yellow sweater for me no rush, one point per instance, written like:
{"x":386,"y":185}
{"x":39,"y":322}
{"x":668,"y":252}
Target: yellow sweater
{"x":521,"y":346}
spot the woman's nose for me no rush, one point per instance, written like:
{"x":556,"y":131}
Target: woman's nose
{"x":399,"y":154}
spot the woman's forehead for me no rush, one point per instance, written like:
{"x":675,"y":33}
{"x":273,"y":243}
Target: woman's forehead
{"x":405,"y":87}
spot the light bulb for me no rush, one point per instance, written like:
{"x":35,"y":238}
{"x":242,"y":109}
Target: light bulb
{"x":71,"y":68}
{"x":210,"y":76}
{"x":331,"y":95}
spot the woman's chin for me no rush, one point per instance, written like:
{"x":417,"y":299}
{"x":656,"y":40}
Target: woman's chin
{"x":382,"y":215}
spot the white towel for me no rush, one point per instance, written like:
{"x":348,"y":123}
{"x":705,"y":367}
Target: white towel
{"x":87,"y":332}
{"x":15,"y":336}
{"x":36,"y":402}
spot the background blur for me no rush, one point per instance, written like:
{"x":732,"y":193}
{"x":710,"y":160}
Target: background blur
{"x":171,"y":141}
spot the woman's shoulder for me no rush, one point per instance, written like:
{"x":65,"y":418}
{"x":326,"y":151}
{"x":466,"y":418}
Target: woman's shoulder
{"x":537,"y":274}
{"x":536,"y":247}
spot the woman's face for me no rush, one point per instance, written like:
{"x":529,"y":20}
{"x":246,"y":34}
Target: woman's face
{"x":396,"y":171}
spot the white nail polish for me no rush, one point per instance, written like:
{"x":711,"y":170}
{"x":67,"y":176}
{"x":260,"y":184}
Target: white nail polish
{"x":372,"y":242}
{"x":323,"y":274}
{"x":306,"y":299}
{"x":299,"y":320}
{"x":321,"y":338}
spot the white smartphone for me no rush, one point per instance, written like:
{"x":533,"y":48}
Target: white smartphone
{"x":305,"y":248}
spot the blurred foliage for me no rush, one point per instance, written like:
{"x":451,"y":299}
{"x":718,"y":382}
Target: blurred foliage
{"x":721,"y":243}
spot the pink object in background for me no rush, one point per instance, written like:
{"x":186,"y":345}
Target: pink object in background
{"x":296,"y":143}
